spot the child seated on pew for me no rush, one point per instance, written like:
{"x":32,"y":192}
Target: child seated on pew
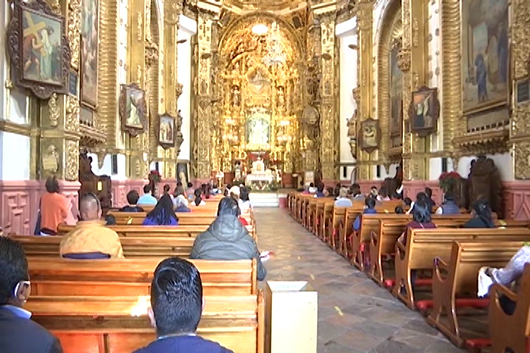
{"x":162,"y":214}
{"x":368,"y":209}
{"x":18,"y":333}
{"x":176,"y":309}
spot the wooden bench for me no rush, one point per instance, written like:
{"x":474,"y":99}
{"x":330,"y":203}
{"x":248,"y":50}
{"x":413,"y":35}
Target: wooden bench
{"x":109,"y":325}
{"x":191,"y":218}
{"x":423,"y":245}
{"x":132,"y":277}
{"x":133,"y":247}
{"x":455,"y":283}
{"x":384,"y":242}
{"x":156,"y":231}
{"x":510,"y":331}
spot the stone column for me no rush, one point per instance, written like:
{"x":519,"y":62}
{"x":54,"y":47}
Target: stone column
{"x":329,"y":155}
{"x":365,"y":77}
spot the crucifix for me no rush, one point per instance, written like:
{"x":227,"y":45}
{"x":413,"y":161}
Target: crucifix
{"x":33,"y":29}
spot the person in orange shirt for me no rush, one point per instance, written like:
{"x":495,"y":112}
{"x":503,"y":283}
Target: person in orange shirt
{"x":91,"y":239}
{"x":53,"y":208}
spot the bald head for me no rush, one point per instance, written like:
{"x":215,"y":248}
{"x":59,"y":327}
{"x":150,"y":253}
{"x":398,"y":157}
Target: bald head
{"x":89,"y":208}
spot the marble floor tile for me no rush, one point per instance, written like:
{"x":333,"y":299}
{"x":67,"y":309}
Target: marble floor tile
{"x":355,"y":314}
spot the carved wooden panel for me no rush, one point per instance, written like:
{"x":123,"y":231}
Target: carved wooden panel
{"x":15,"y":212}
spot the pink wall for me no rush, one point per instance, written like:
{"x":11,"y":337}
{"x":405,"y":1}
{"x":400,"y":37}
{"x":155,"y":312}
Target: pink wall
{"x":413,"y":187}
{"x":120,"y":188}
{"x":19,"y":203}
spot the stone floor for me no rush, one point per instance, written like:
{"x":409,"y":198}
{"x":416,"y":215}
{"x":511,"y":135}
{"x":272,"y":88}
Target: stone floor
{"x":354,"y":315}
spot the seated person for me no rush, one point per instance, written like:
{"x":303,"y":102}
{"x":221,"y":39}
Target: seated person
{"x":244,"y":200}
{"x":189,"y":191}
{"x":511,"y":273}
{"x":383,"y":194}
{"x":449,"y":206}
{"x":430,"y":201}
{"x":227,"y":238}
{"x":180,"y":202}
{"x":368,"y":209}
{"x":373,"y":191}
{"x":320,"y":190}
{"x":481,"y":216}
{"x":336,"y":190}
{"x":420,"y":197}
{"x":132,"y":199}
{"x":343,"y":200}
{"x":399,"y":210}
{"x":312,"y":189}
{"x":421,"y":219}
{"x":356,"y":193}
{"x":162,"y":214}
{"x":176,"y":308}
{"x":147,"y":198}
{"x":91,"y":238}
{"x":198,"y":201}
{"x":19,"y":334}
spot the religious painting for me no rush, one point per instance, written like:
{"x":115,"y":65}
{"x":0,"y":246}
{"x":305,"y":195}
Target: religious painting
{"x":258,"y":130}
{"x":72,"y":83}
{"x":166,"y":131}
{"x":396,"y":94}
{"x":39,"y":49}
{"x":86,"y":116}
{"x":89,"y":52}
{"x":424,"y":111}
{"x":485,"y":54}
{"x":133,"y":109}
{"x":370,"y":135}
{"x":183,"y":173}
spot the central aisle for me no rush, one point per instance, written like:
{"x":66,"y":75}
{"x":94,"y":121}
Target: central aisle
{"x":355,"y":315}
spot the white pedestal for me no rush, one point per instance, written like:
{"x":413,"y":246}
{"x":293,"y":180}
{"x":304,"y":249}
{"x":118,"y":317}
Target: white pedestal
{"x":291,"y":317}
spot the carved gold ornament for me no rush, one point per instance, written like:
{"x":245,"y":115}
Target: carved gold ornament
{"x":72,"y":160}
{"x":54,"y":113}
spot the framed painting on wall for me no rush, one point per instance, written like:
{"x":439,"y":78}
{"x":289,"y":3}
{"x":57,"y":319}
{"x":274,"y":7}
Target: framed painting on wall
{"x":485,"y":54}
{"x":370,"y":135}
{"x":424,"y":111}
{"x":183,"y":173}
{"x":133,"y":109}
{"x":39,"y":49}
{"x":166,"y":131}
{"x":89,"y":52}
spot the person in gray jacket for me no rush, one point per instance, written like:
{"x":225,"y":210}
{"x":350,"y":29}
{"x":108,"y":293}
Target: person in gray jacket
{"x":227,"y":238}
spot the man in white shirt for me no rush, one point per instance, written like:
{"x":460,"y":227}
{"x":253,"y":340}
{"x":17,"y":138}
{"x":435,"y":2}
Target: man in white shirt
{"x":147,"y":198}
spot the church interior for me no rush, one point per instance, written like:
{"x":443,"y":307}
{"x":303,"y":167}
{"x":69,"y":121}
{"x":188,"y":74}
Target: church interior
{"x":402,"y":95}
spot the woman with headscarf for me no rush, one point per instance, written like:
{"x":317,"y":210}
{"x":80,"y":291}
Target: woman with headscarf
{"x":162,"y":214}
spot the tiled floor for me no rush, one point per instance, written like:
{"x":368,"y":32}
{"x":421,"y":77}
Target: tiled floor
{"x":372,"y":319}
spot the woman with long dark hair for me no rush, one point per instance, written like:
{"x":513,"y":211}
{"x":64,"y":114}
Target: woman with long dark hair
{"x":198,"y":198}
{"x":481,"y":216}
{"x":162,"y":214}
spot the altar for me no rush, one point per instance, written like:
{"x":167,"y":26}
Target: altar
{"x":259,"y":178}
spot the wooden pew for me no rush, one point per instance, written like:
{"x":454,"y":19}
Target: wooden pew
{"x":111,"y":324}
{"x":156,"y":231}
{"x":133,"y":247}
{"x":423,"y":245}
{"x":191,"y":218}
{"x":383,"y":242}
{"x":455,"y":283}
{"x":510,"y":331}
{"x":132,"y":277}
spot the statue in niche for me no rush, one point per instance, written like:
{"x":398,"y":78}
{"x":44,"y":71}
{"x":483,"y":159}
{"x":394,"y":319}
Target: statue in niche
{"x":352,"y":125}
{"x":281,"y":98}
{"x":236,"y":96}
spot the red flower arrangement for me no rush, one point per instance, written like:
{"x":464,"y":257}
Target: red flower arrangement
{"x":448,"y":180}
{"x":154,"y":176}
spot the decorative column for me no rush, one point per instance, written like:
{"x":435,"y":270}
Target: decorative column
{"x":414,"y":19}
{"x":202,"y":142}
{"x":329,"y":156}
{"x":365,"y":79}
{"x":137,"y":73}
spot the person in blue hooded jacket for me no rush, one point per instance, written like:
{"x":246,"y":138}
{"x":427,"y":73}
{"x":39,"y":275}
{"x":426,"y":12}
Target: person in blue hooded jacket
{"x":176,"y":309}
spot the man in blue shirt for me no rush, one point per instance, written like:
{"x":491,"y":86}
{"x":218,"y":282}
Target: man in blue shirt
{"x":17,"y":332}
{"x":176,"y":309}
{"x":147,"y":198}
{"x":369,"y":209}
